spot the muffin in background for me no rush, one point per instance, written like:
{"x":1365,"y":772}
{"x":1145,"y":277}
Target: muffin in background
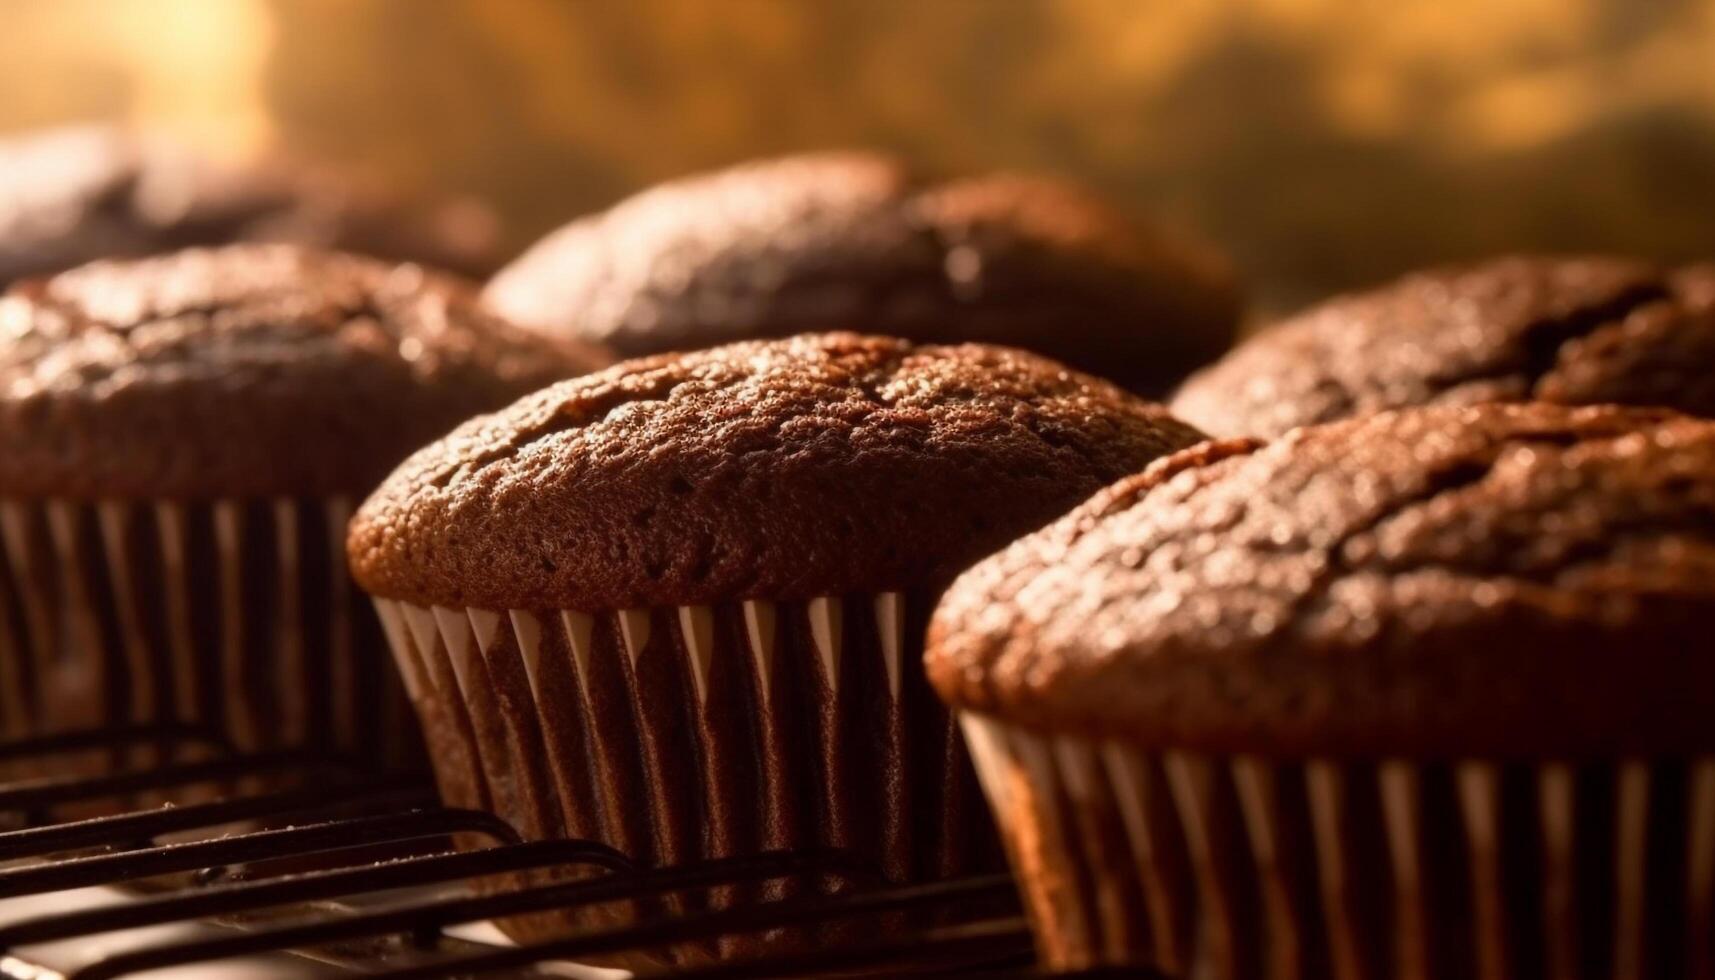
{"x":76,"y":194}
{"x":1577,"y":331}
{"x":1424,"y":694}
{"x":181,"y":441}
{"x":835,"y":241}
{"x":1695,"y":285}
{"x":677,"y":606}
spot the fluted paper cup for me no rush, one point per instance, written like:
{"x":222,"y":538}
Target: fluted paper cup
{"x":682,"y":733}
{"x":1232,"y":866}
{"x":231,"y":616}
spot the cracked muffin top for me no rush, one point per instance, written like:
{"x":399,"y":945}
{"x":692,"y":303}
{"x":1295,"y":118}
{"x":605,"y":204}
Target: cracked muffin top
{"x":82,"y":193}
{"x":841,"y":241}
{"x":820,"y":465}
{"x":250,"y":370}
{"x":1579,"y":331}
{"x":1528,"y":580}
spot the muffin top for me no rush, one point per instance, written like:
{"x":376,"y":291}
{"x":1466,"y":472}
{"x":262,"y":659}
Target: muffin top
{"x":1569,"y":330}
{"x":247,"y":370}
{"x":819,"y":465}
{"x":1694,"y":285}
{"x":829,"y":241}
{"x":1499,"y":580}
{"x":74,"y":195}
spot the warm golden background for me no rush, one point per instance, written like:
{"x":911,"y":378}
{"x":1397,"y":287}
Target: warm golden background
{"x":1322,"y":143}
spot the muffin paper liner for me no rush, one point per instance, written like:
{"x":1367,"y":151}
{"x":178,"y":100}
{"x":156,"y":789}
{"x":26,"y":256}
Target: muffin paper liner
{"x":681,"y":733}
{"x":1231,"y":866}
{"x":234,"y":616}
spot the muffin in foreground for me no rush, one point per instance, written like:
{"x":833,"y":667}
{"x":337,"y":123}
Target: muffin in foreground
{"x":1425,"y":694}
{"x":677,"y":605}
{"x":1574,"y":331}
{"x":181,"y":441}
{"x":80,"y":193}
{"x":827,"y":241}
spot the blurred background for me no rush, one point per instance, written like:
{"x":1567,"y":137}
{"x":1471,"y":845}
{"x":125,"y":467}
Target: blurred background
{"x":1321,"y":143}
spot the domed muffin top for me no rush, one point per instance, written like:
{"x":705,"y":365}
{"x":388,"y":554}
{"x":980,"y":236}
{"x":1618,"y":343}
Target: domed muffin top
{"x":1694,"y":285}
{"x":76,"y":194}
{"x":1568,"y":330}
{"x":1527,"y":580}
{"x":247,"y":370}
{"x":818,"y":465}
{"x":826,"y":241}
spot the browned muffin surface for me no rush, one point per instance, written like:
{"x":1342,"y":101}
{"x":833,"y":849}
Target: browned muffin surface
{"x":250,"y":370}
{"x":1695,"y":285}
{"x":74,"y":195}
{"x":1495,"y":580}
{"x":1567,"y":330}
{"x":830,"y":241}
{"x":819,"y":465}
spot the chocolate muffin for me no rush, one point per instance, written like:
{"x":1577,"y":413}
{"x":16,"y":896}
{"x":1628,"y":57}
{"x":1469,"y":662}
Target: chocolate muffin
{"x":181,"y":440}
{"x":74,"y":195}
{"x":1579,"y":331}
{"x":828,"y":241}
{"x":1416,"y":695}
{"x":1694,"y":285}
{"x":677,"y":605}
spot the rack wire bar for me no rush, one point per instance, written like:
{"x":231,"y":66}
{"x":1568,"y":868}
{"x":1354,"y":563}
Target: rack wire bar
{"x":248,"y":896}
{"x":353,"y":820}
{"x":424,"y":921}
{"x":35,"y":795}
{"x":1032,"y":972}
{"x":114,"y":737}
{"x":742,"y":920}
{"x":124,"y":829}
{"x":319,"y":838}
{"x":988,"y":945}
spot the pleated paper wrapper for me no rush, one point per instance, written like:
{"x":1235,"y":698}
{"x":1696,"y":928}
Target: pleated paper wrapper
{"x":231,"y":617}
{"x":677,"y":734}
{"x":1239,"y":867}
